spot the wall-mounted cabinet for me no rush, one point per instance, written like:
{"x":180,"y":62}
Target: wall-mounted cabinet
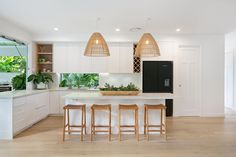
{"x":69,"y":58}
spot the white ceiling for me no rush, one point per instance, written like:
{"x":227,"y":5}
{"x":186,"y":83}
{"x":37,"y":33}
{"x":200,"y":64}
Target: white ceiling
{"x":77,"y":17}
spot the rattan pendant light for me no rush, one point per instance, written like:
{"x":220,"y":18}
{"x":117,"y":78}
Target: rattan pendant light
{"x":147,"y":46}
{"x":97,"y":46}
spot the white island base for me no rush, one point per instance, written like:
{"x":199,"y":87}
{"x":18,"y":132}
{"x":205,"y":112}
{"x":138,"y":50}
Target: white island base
{"x":127,"y":117}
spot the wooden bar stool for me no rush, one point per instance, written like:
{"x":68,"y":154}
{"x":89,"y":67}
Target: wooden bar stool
{"x":161,"y":126}
{"x":134,"y":108}
{"x":67,"y":127}
{"x":95,"y":107}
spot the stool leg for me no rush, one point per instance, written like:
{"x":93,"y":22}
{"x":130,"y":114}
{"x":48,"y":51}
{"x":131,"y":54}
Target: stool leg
{"x":85,"y":120}
{"x":82,"y":126}
{"x":145,"y":121}
{"x":137,"y":125}
{"x":161,"y":121}
{"x":109,"y":124}
{"x":147,"y":126}
{"x":119,"y":125}
{"x":91,"y":135}
{"x":68,"y":120}
{"x":165,"y":124}
{"x":64,"y":125}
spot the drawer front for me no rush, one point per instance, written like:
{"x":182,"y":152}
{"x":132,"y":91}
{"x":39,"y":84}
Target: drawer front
{"x":19,"y":101}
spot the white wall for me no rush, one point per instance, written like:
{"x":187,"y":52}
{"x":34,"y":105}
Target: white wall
{"x":230,"y":70}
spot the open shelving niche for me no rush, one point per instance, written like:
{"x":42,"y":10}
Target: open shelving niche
{"x":45,"y":58}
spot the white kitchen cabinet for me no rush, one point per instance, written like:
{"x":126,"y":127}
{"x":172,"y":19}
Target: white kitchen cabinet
{"x":60,"y":57}
{"x":125,"y":58}
{"x":29,"y":110}
{"x":69,"y":58}
{"x":19,"y":114}
{"x":113,"y":59}
{"x":54,"y":102}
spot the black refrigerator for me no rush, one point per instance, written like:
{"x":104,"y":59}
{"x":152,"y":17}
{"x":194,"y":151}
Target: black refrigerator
{"x":158,"y":78}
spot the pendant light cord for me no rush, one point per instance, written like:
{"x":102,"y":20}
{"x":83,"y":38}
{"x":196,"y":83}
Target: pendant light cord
{"x":97,"y":21}
{"x":146,"y":24}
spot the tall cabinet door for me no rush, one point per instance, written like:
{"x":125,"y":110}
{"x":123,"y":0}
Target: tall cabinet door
{"x":73,"y":57}
{"x":60,"y":57}
{"x":113,"y":60}
{"x":126,"y":58}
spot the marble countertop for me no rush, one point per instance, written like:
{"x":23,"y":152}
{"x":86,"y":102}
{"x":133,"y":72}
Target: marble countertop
{"x":19,"y":93}
{"x":98,"y":95}
{"x":83,"y":94}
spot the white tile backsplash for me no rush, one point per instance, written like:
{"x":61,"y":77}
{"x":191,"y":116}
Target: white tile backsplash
{"x":119,"y":79}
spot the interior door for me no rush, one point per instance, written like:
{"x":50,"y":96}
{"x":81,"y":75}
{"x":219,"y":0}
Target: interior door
{"x":188,"y":99}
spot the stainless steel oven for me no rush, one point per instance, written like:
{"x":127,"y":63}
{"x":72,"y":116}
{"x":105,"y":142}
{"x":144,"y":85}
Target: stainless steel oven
{"x":5,"y":87}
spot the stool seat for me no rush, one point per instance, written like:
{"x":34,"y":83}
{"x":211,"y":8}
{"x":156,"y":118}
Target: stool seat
{"x":128,"y":107}
{"x":158,"y":107}
{"x":101,"y":107}
{"x":74,"y":107}
{"x":95,"y":107}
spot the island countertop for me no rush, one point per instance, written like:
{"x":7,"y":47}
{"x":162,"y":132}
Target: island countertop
{"x":98,"y":95}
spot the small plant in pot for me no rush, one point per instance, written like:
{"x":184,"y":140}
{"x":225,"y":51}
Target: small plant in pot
{"x":40,"y":80}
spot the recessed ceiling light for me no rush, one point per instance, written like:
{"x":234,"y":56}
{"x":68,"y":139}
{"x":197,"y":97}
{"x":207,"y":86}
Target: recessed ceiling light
{"x":55,"y":29}
{"x":117,"y":29}
{"x":178,"y":30}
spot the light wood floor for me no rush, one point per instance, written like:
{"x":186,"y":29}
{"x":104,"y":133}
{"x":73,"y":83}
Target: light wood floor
{"x":188,"y":136}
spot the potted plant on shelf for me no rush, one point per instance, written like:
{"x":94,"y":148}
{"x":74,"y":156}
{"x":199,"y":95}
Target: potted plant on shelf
{"x":130,"y":90}
{"x":40,"y":80}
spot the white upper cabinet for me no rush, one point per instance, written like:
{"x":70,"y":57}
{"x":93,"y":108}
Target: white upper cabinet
{"x":60,"y":57}
{"x":126,"y":58}
{"x":69,"y":58}
{"x":113,"y":59}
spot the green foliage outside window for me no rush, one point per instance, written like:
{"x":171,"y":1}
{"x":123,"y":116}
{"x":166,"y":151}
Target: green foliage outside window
{"x":12,"y":64}
{"x":79,"y":80}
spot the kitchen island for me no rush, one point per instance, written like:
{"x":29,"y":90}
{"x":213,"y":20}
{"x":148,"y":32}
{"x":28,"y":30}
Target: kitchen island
{"x":90,"y":98}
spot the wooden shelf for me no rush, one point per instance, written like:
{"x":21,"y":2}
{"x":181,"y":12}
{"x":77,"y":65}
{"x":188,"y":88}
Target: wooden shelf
{"x":45,"y":63}
{"x":45,"y":53}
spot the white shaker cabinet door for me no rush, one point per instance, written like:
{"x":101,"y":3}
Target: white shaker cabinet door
{"x":113,"y":60}
{"x":84,"y":62}
{"x":72,"y":58}
{"x":125,"y":58}
{"x":60,"y":57}
{"x":54,"y":103}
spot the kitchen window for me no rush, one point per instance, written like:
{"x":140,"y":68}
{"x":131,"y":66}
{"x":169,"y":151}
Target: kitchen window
{"x":79,"y":80}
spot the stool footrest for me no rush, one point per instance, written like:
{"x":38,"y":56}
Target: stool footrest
{"x":155,"y":130}
{"x":73,"y":130}
{"x":74,"y":126}
{"x":101,"y":131}
{"x":127,"y":126}
{"x":101,"y":126}
{"x":127,"y":130}
{"x":155,"y":125}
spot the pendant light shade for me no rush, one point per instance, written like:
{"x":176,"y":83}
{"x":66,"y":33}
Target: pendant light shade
{"x":147,"y":47}
{"x":96,"y":46}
